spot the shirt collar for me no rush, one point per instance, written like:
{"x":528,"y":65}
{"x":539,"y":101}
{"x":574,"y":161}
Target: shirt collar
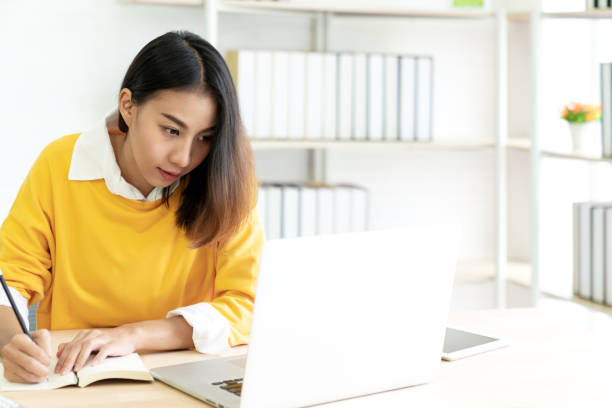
{"x":93,"y":158}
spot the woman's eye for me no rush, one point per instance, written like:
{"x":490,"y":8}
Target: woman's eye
{"x":205,"y":139}
{"x":171,"y":131}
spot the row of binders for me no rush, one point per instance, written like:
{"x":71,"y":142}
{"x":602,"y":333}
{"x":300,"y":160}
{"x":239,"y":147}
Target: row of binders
{"x":292,"y":210}
{"x":593,"y":251}
{"x":598,"y":5}
{"x":606,"y":108}
{"x":334,"y":96}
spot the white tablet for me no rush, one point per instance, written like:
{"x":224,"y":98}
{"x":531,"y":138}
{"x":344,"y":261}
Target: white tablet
{"x":460,"y":343}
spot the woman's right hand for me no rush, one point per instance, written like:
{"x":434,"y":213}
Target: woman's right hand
{"x":27,"y":361}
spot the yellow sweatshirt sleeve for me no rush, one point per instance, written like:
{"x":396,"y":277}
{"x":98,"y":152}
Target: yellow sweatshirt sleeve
{"x":26,"y":236}
{"x":236,"y":278}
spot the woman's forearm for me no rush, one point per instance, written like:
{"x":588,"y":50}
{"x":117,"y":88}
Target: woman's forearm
{"x":165,"y":334}
{"x":9,"y":326}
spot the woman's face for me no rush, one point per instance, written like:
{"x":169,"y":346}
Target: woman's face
{"x":169,"y":135}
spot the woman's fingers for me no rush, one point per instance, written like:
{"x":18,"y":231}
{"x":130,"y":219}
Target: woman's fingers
{"x":31,"y":349}
{"x":69,"y":352}
{"x":86,"y":349}
{"x":79,"y":348}
{"x":66,"y":362}
{"x":11,"y":372}
{"x":104,"y":352}
{"x":43,"y":339}
{"x":15,"y":373}
{"x":24,"y":360}
{"x":60,"y":348}
{"x":21,"y":366}
{"x":75,"y":355}
{"x":66,"y":347}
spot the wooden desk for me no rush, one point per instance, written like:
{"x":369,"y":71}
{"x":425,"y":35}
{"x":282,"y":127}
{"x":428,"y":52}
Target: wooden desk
{"x":559,"y":356}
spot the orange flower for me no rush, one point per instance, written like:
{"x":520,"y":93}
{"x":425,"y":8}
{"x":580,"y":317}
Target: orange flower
{"x":590,"y":116}
{"x":565,"y":112}
{"x":580,"y":112}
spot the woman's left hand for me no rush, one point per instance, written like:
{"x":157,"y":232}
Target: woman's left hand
{"x":72,"y":356}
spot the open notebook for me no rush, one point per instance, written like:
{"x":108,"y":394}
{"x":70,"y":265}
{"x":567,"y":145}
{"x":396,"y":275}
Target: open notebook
{"x":129,"y":367}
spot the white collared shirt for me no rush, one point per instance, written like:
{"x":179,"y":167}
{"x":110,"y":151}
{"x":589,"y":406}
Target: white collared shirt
{"x":93,"y":158}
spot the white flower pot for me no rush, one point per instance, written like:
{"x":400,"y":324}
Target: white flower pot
{"x":586,"y":138}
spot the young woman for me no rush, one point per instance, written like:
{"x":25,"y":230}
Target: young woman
{"x":143,"y":230}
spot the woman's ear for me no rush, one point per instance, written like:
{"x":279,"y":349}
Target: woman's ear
{"x":126,"y":106}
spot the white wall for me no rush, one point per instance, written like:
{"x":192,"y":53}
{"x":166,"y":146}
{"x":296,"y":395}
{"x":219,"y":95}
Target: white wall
{"x":66,"y":60}
{"x":62,"y":65}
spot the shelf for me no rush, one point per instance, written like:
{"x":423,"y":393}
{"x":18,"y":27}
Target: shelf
{"x":592,"y":305}
{"x":580,"y":14}
{"x":472,"y":271}
{"x":524,"y":16}
{"x":363,"y":9}
{"x":262,"y":144}
{"x":478,"y":271}
{"x":198,"y":3}
{"x":368,"y":10}
{"x":518,"y":17}
{"x":359,"y":9}
{"x":525,"y":145}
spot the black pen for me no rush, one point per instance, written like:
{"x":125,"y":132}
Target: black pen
{"x":14,"y":307}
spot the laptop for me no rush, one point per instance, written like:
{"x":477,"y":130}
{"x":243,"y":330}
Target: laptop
{"x":336,"y":317}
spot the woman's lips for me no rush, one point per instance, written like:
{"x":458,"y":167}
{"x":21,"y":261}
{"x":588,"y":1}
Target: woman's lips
{"x":166,"y":175}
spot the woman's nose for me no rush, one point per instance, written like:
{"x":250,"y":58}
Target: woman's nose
{"x":181,"y":154}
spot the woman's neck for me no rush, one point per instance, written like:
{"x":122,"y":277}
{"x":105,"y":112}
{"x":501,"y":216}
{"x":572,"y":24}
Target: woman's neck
{"x":123,"y":154}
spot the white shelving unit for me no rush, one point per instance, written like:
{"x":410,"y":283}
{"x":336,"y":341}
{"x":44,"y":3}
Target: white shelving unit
{"x":321,"y":13}
{"x":525,"y":145}
{"x":260,"y":144}
{"x":361,"y":9}
{"x":533,"y":146}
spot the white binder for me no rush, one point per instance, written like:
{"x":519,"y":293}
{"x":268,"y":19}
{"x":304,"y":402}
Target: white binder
{"x":308,"y":211}
{"x":391,"y":98}
{"x":375,"y":99}
{"x":313,"y":118}
{"x":360,"y":103}
{"x":330,"y":91}
{"x":359,"y":208}
{"x":242,"y":65}
{"x":262,"y":207}
{"x":407,"y":97}
{"x":290,"y":211}
{"x":325,"y":210}
{"x":280,"y":95}
{"x":297,"y":88}
{"x":345,"y":96}
{"x":597,"y":253}
{"x":263,"y":95}
{"x":342,"y":208}
{"x":424,"y":99}
{"x":274,"y":211}
{"x":608,"y":257}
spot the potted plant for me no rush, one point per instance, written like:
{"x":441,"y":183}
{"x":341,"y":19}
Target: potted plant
{"x":583,"y":121}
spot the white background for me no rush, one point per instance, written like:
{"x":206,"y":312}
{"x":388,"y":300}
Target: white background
{"x":62,"y":63}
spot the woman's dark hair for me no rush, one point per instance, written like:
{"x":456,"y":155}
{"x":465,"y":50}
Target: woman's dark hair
{"x":218,"y":195}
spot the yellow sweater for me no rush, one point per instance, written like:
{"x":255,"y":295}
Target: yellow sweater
{"x":95,"y":259}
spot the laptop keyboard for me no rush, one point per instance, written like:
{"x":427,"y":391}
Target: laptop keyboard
{"x":233,"y":386}
{"x":7,"y":403}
